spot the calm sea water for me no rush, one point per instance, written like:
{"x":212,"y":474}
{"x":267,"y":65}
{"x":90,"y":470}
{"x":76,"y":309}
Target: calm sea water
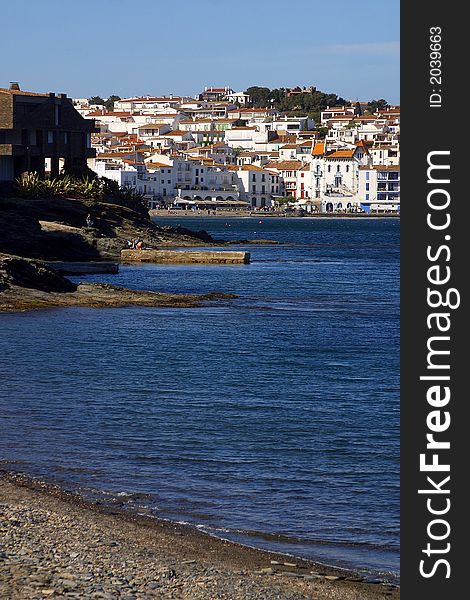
{"x":271,"y":419}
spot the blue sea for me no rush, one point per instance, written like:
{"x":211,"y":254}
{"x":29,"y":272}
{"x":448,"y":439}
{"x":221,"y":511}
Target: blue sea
{"x":271,"y":419}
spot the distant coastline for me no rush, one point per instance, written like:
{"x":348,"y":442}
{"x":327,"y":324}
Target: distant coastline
{"x":237,"y":214}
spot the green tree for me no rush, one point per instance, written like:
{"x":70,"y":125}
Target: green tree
{"x":278,"y":95}
{"x":322,"y":131}
{"x":96,"y":100}
{"x":109,"y":103}
{"x":375,"y":105}
{"x":260,"y":96}
{"x":310,"y":103}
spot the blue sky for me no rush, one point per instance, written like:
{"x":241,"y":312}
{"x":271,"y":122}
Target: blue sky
{"x":89,"y":47}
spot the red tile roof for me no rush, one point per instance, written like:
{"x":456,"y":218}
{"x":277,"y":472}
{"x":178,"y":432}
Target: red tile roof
{"x":318,"y":149}
{"x":340,"y":153}
{"x":285,"y":165}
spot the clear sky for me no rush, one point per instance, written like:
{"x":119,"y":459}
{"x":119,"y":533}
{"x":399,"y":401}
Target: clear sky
{"x":127,"y":47}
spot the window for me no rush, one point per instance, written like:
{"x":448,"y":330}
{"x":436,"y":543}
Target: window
{"x":66,"y":137}
{"x":50,"y":137}
{"x":253,"y":177}
{"x":367,"y":196}
{"x":263,"y":177}
{"x":347,"y":168}
{"x":169,"y":181}
{"x":163,"y":181}
{"x":254,"y":189}
{"x":329,"y":168}
{"x":367,"y":175}
{"x":367,"y":187}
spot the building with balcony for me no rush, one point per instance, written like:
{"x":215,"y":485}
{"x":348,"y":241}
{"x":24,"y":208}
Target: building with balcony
{"x":287,"y":170}
{"x":215,"y":93}
{"x":379,"y":187}
{"x":41,"y":129}
{"x":257,"y":186}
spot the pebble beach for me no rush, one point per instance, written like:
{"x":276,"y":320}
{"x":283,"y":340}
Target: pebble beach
{"x":56,"y":544}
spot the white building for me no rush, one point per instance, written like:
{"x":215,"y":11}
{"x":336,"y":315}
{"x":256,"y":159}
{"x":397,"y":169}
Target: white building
{"x":335,"y":111}
{"x":149,"y":104}
{"x":239,"y":98}
{"x":334,"y":174}
{"x":385,"y":153}
{"x":379,"y":188}
{"x":241,"y":137}
{"x":257,"y":186}
{"x":287,"y":171}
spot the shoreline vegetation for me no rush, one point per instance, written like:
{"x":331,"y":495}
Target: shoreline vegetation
{"x":58,"y":544}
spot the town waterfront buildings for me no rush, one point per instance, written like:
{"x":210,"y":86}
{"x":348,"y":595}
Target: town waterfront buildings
{"x":211,"y":150}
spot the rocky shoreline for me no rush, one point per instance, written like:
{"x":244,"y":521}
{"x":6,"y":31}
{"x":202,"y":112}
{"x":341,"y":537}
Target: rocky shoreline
{"x":35,"y":232}
{"x":28,"y":285}
{"x":57,"y":544}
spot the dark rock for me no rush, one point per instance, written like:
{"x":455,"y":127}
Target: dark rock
{"x":33,"y":275}
{"x":63,"y":234}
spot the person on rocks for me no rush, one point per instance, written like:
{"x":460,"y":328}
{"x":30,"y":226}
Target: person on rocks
{"x":89,"y":220}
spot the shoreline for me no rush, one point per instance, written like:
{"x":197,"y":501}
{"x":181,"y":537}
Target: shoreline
{"x":27,"y":284}
{"x":237,"y":214}
{"x":172,"y":560}
{"x":100,"y":295}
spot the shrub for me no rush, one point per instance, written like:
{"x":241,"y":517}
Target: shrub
{"x":90,"y":188}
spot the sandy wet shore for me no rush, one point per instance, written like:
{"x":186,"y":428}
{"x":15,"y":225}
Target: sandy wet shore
{"x":55,"y":544}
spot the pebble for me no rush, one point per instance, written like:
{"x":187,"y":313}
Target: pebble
{"x":52,"y":549}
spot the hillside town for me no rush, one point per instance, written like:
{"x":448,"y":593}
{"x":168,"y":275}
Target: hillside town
{"x":217,"y":150}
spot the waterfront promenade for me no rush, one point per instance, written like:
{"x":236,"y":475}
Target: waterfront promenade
{"x":164,"y":212}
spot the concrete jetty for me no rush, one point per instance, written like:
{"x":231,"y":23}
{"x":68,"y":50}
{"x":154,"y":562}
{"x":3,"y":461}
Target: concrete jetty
{"x":186,"y":256}
{"x":83,"y":268}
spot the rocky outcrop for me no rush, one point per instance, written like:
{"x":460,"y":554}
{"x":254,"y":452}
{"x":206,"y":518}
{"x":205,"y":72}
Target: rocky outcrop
{"x":27,"y":284}
{"x":35,"y":232}
{"x":18,"y":272}
{"x":56,"y":229}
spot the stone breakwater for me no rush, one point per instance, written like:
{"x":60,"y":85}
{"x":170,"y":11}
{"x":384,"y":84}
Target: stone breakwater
{"x":186,"y":256}
{"x":54,"y":544}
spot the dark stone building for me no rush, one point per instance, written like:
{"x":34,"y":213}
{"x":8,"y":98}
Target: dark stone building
{"x":35,"y":127}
